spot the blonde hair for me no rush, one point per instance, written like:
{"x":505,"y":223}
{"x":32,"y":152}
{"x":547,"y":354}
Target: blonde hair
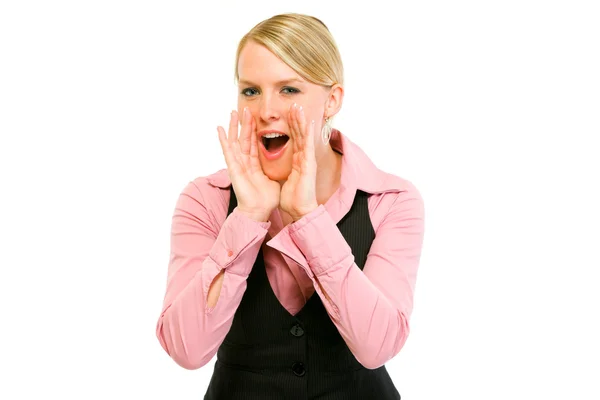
{"x":303,"y":42}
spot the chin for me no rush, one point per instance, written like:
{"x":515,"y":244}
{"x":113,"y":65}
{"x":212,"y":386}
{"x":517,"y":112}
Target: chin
{"x":277,"y":173}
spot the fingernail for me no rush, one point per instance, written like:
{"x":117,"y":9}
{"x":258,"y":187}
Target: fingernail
{"x":301,"y":109}
{"x":295,"y":105}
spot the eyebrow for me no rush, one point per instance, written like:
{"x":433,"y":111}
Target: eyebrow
{"x":278,"y":83}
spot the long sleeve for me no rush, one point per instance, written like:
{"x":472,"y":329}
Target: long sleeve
{"x":374,"y":324}
{"x":188,"y":330}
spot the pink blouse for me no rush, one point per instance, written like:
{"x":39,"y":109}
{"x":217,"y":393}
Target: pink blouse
{"x":303,"y":257}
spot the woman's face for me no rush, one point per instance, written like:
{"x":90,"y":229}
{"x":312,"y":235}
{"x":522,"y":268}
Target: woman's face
{"x":269,"y":87}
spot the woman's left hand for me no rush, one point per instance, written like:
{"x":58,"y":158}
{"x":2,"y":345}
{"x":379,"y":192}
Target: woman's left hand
{"x":298,"y":194}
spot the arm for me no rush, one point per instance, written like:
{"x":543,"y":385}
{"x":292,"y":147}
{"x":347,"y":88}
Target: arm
{"x":206,"y":260}
{"x":375,"y":325}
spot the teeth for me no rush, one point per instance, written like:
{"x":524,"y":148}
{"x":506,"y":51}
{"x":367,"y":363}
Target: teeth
{"x":273,"y":135}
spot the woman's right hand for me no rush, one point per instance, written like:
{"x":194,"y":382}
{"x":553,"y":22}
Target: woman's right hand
{"x":257,"y":195}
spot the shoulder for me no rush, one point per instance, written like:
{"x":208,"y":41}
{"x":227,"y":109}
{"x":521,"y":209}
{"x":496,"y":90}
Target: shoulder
{"x":406,"y":201}
{"x":398,"y":184}
{"x":390,"y":195}
{"x":209,"y":185}
{"x":206,"y":195}
{"x":372,"y":179}
{"x":397,"y":199}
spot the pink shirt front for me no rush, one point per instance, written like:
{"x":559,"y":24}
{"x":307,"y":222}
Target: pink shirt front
{"x":371,"y":308}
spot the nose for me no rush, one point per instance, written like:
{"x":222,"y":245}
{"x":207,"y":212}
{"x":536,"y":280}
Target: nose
{"x":269,"y":109}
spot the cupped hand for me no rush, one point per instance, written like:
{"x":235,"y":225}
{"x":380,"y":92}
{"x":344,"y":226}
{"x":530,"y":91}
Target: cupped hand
{"x":298,"y":193}
{"x":257,"y":195}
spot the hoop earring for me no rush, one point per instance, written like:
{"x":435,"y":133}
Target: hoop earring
{"x":326,"y":131}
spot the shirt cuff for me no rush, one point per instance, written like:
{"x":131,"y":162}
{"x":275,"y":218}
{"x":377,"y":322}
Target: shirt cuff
{"x":237,"y":234}
{"x":319,"y":239}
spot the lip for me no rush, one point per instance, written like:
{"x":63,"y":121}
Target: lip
{"x":272,"y":156}
{"x":267,"y":131}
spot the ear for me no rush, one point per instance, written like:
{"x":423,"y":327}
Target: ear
{"x":335,"y":97}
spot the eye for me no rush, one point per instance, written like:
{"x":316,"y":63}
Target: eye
{"x":291,"y":89}
{"x":247,"y":92}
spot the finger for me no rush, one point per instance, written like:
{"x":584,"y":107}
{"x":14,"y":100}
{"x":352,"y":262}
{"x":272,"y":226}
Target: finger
{"x":254,"y":161}
{"x":237,"y":154}
{"x":302,"y":126}
{"x":299,"y":132}
{"x":233,"y":127}
{"x":293,"y":128}
{"x":246,"y":131}
{"x":226,"y":147}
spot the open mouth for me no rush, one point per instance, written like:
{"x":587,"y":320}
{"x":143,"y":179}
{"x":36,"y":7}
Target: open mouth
{"x":274,"y":143}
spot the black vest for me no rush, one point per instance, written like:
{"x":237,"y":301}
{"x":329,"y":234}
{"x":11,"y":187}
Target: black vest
{"x":270,"y":354}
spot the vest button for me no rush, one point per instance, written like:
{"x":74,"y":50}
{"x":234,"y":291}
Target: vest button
{"x":298,"y":368}
{"x":297,"y":330}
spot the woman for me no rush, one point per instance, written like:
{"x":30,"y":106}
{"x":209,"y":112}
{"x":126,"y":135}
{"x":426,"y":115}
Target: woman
{"x":297,"y":264}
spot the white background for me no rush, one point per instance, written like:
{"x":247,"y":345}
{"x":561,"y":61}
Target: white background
{"x":492,"y":109}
